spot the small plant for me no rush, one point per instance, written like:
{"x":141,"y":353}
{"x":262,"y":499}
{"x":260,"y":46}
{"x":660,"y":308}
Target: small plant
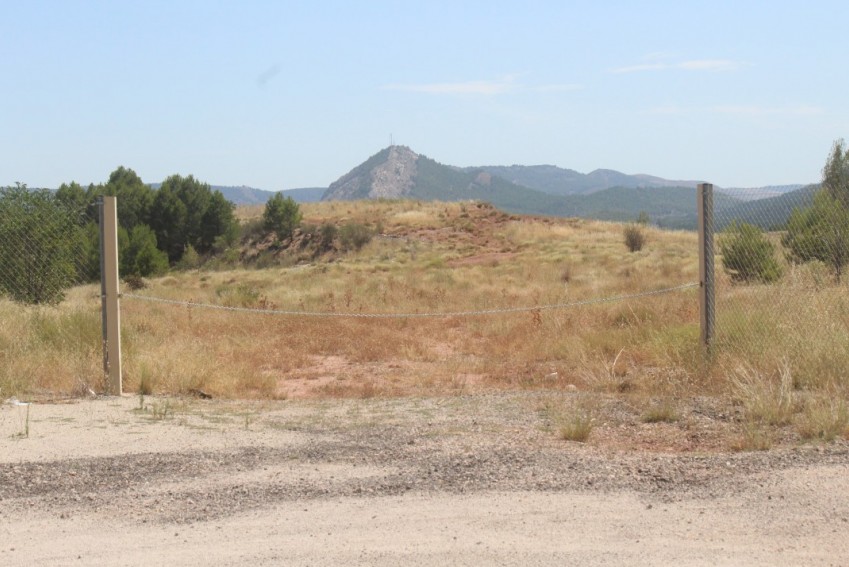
{"x":161,"y":409}
{"x":145,"y":382}
{"x":24,"y":432}
{"x":635,"y":238}
{"x":134,"y":282}
{"x":242,"y":295}
{"x":765,"y":399}
{"x":664,"y":412}
{"x":824,"y":419}
{"x":576,"y":426}
{"x":755,"y":437}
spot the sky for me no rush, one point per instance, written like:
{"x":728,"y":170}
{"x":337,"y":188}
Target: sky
{"x":279,"y":95}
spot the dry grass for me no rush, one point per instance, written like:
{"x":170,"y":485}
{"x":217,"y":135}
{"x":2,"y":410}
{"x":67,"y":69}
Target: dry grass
{"x":449,"y":257}
{"x":767,"y":399}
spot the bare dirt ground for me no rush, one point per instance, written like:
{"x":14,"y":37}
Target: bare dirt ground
{"x":464,"y":480}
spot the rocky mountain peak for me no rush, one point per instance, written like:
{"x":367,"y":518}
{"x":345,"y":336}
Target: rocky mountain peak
{"x":389,"y":174}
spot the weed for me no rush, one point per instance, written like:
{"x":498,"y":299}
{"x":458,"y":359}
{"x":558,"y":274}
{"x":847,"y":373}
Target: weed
{"x":755,"y":437}
{"x":575,"y":426}
{"x":824,"y":419}
{"x":663,"y":412}
{"x":24,"y":408}
{"x":765,"y":399}
{"x":161,"y":409}
{"x":145,"y":387}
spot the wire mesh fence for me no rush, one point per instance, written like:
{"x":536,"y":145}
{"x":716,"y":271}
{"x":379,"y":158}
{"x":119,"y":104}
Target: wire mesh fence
{"x":782,"y":302}
{"x":582,"y":310}
{"x":49,"y":303}
{"x":531,"y":304}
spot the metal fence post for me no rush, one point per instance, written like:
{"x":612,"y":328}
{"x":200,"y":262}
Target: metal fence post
{"x":707,"y":299}
{"x":110,"y":303}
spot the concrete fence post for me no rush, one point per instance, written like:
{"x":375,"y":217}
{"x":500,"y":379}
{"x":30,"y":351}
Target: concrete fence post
{"x":110,"y":295}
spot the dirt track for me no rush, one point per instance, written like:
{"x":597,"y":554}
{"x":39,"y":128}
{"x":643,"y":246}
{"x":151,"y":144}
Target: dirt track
{"x":464,"y":480}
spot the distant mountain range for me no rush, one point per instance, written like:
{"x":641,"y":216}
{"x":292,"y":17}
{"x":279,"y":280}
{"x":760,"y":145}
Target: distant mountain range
{"x":396,"y":172}
{"x":558,"y":181}
{"x":245,"y":195}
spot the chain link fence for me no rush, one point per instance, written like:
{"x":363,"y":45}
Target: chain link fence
{"x":49,"y":295}
{"x":782,"y":303}
{"x":782,"y":306}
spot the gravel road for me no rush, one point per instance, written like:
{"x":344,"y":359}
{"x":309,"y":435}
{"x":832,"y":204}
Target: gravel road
{"x":464,"y":480}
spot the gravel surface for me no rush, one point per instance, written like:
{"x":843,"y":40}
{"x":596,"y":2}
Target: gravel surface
{"x":146,"y":469}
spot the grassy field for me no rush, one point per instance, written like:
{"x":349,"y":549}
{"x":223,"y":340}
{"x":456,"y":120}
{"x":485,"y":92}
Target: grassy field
{"x":778,"y":368}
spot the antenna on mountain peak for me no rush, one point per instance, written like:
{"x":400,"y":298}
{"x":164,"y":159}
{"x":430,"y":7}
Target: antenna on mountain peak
{"x":391,"y":140}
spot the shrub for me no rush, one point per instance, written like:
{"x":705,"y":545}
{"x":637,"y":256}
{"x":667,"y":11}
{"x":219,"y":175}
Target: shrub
{"x":747,"y":255}
{"x":141,"y":255}
{"x":134,"y":282}
{"x":327,"y":234}
{"x":190,"y":260}
{"x":282,"y":215}
{"x":353,"y":236}
{"x":635,"y":238}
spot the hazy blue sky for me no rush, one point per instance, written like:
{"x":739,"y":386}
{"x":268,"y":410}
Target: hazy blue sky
{"x":278,"y":95}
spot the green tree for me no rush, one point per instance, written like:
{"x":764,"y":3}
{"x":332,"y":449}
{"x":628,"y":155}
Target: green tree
{"x":40,"y":244}
{"x":75,"y":200}
{"x":747,"y":254}
{"x":168,"y":221}
{"x":821,"y":231}
{"x":835,"y":174}
{"x":134,"y":197}
{"x":282,"y":215}
{"x":186,"y":212}
{"x":219,"y":229}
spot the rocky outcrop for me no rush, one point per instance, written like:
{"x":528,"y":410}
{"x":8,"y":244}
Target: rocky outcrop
{"x":389,"y":174}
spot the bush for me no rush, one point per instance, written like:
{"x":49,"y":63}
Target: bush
{"x":141,"y":256}
{"x":327,"y":234}
{"x":353,"y":236}
{"x":281,"y":216}
{"x":635,"y":238}
{"x":747,"y":255}
{"x":190,"y":260}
